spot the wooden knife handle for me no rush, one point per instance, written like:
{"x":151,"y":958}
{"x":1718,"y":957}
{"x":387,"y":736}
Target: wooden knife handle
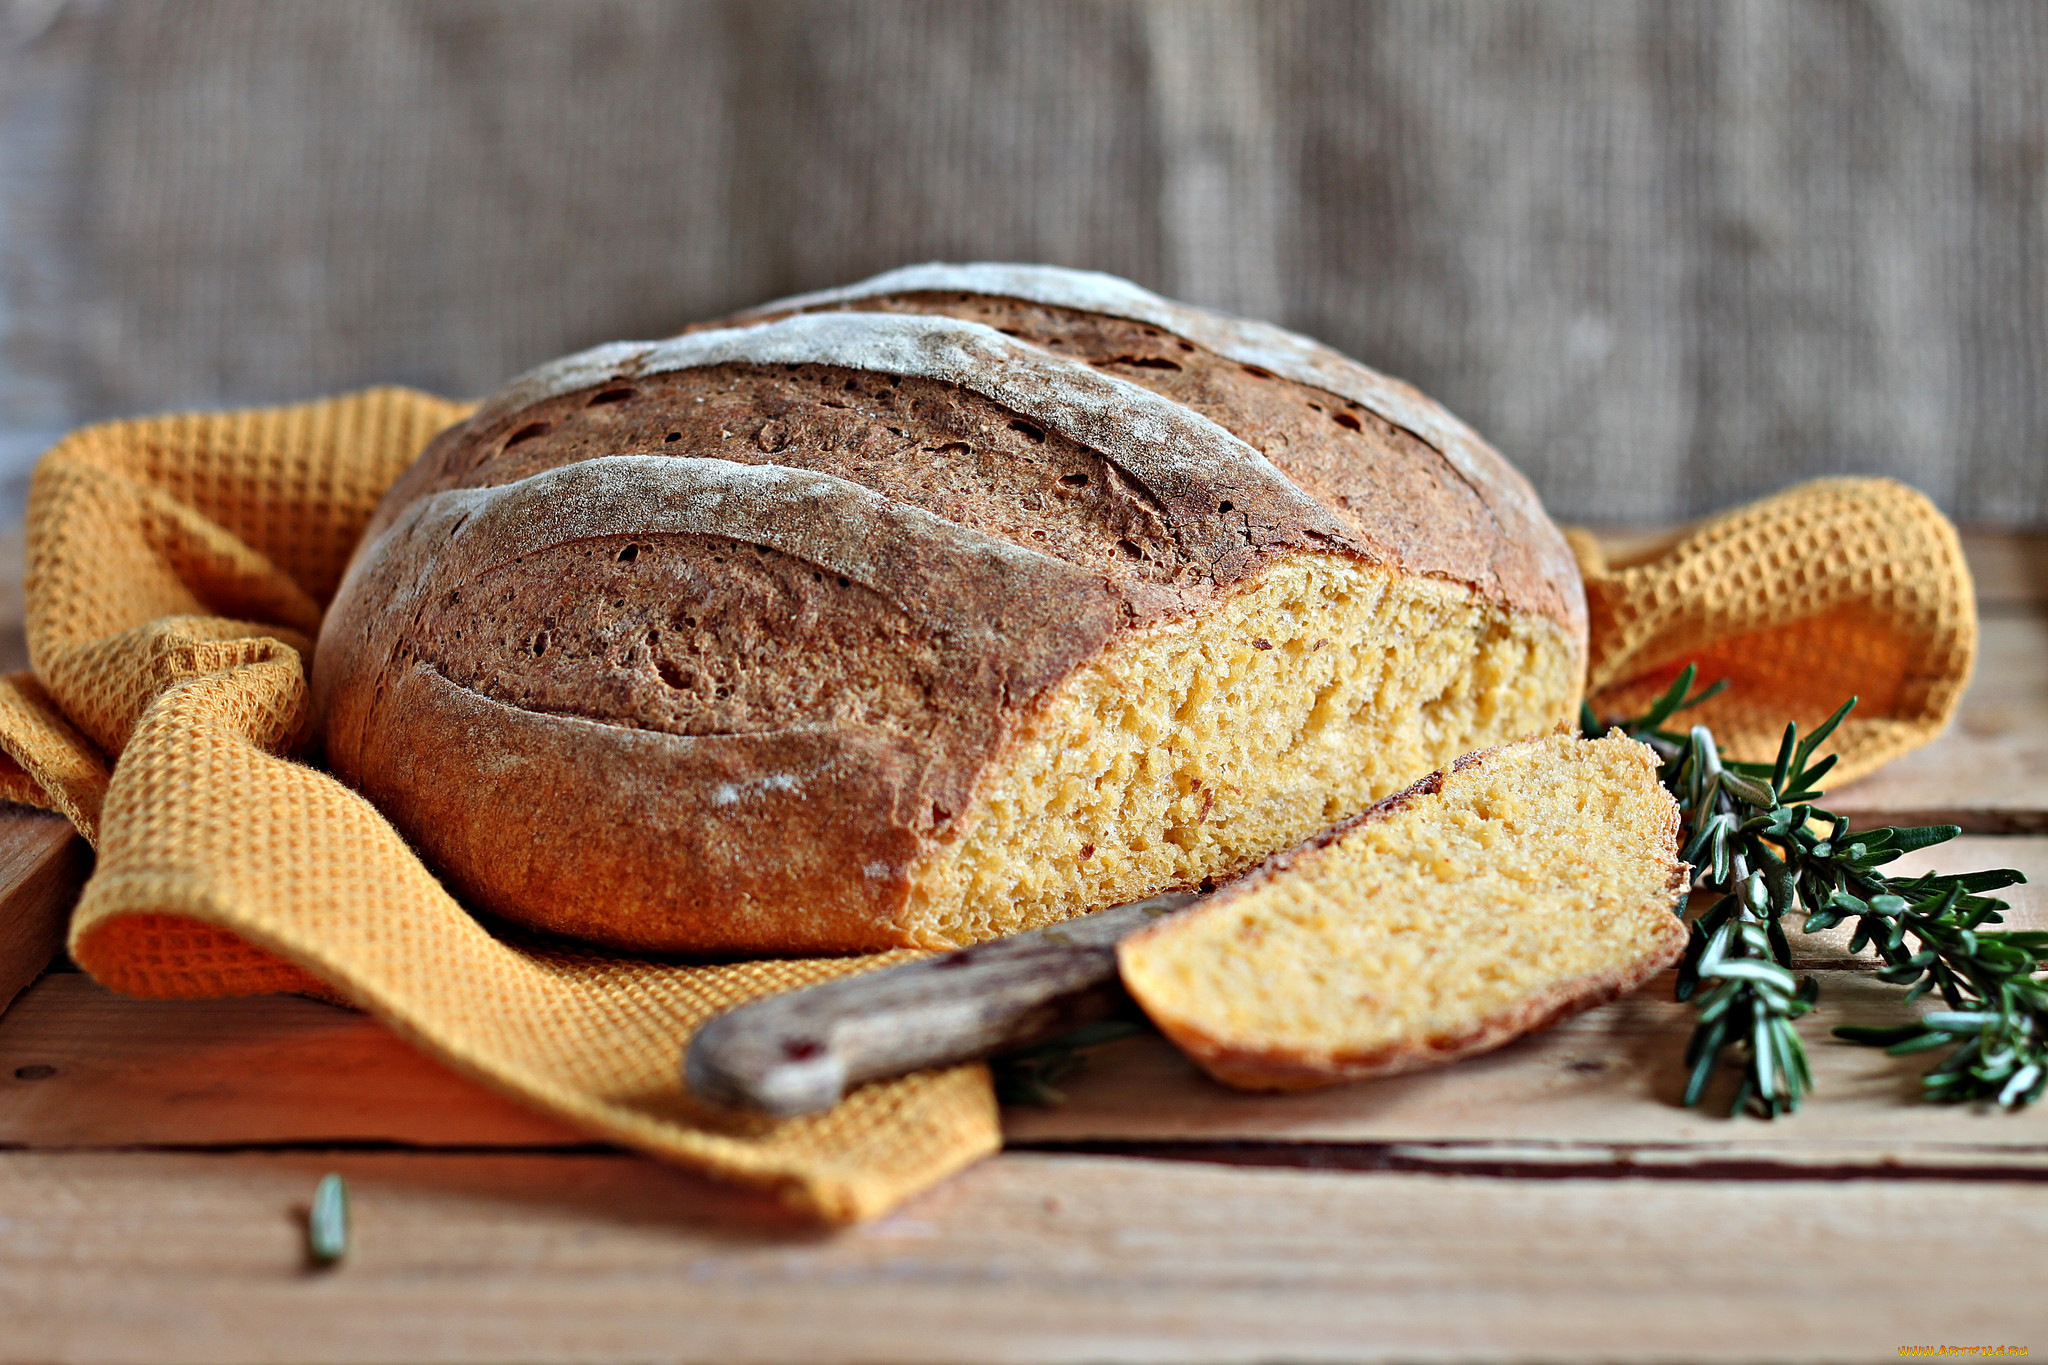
{"x":797,"y":1053}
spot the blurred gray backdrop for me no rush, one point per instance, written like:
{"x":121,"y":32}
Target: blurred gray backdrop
{"x":1666,"y":255}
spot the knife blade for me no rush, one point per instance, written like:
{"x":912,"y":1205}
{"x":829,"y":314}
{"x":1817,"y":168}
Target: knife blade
{"x":799,"y":1052}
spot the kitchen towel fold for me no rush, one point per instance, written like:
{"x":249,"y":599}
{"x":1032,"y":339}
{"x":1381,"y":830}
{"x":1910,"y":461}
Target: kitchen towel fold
{"x":1832,"y":589}
{"x":178,"y":568}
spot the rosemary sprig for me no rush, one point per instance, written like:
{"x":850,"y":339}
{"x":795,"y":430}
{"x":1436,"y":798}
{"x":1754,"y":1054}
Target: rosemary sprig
{"x":1759,"y":843}
{"x":1997,"y":1020}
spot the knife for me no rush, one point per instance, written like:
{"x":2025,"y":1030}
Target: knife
{"x":798,"y":1053}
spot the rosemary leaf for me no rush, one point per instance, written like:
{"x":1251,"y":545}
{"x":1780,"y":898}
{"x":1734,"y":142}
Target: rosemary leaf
{"x":327,"y":1223}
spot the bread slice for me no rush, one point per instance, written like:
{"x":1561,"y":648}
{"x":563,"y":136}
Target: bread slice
{"x":1520,"y":885}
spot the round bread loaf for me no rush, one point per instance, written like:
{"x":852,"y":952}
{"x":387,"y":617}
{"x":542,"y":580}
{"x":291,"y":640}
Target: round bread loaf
{"x":951,"y":604}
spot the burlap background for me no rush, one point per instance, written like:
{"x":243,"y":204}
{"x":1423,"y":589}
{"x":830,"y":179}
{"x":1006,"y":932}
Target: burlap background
{"x":1667,"y":255}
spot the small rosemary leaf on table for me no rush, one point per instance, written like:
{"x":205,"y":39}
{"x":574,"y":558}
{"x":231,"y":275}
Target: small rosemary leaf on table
{"x":327,"y":1222}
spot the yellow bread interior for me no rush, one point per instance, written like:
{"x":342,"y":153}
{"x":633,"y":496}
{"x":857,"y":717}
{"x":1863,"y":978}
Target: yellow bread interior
{"x":1198,"y":748}
{"x":1539,"y":879}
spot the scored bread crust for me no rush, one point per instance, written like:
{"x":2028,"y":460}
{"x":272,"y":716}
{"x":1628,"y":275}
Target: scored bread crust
{"x":1251,"y":1066}
{"x":1525,"y":563}
{"x":766,"y":774}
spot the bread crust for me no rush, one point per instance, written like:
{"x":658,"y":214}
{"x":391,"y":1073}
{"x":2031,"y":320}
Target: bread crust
{"x":921,"y":526}
{"x":1524,"y":564}
{"x":641,"y":837}
{"x":1251,"y":1067}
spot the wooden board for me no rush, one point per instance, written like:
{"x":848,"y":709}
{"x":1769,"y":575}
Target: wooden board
{"x":1988,"y":770}
{"x":174,"y":1258}
{"x":42,"y":864}
{"x":2009,"y":569}
{"x":83,"y":1067}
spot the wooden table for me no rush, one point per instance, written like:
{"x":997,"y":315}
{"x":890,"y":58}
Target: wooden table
{"x":1547,"y":1202}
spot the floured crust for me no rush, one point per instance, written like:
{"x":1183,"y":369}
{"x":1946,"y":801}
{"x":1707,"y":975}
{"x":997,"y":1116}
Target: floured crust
{"x":731,"y":840}
{"x":1525,"y":564}
{"x":1237,"y":1062}
{"x":699,"y":645}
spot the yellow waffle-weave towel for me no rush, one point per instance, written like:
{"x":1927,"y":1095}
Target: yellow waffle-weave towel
{"x":1831,"y":589}
{"x":178,"y":569}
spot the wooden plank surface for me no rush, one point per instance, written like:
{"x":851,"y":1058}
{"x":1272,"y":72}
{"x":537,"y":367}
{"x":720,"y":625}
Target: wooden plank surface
{"x":82,"y":1066}
{"x":172,"y":1258}
{"x":1988,"y":772}
{"x":42,"y":864}
{"x":2008,"y":568}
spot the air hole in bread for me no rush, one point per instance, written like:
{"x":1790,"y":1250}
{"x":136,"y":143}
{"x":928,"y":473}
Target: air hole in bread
{"x":613,"y":396}
{"x":1255,"y":372}
{"x":1345,"y":419}
{"x":528,"y":432}
{"x":629,"y":554}
{"x":1075,"y":480}
{"x":1226,"y":506}
{"x":1029,"y":432}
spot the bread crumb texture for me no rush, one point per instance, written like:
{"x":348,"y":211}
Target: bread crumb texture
{"x":1198,"y":748}
{"x":1523,"y":884}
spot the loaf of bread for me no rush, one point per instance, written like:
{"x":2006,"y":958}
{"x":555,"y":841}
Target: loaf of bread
{"x":1517,"y":886}
{"x":948,"y":605}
